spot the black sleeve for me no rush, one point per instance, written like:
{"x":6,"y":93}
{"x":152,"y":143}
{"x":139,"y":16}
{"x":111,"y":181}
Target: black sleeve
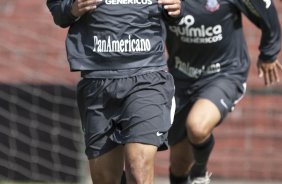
{"x":264,"y":15}
{"x":61,"y":12}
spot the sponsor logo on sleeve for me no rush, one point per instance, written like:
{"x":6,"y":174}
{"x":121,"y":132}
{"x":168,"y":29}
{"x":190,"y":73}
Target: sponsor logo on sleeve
{"x":267,"y":3}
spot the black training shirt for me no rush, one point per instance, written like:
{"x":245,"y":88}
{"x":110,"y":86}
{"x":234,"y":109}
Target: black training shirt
{"x":120,"y":37}
{"x":209,"y":39}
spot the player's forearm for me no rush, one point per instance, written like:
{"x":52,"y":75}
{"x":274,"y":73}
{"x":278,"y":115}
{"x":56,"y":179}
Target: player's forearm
{"x":270,"y":44}
{"x":269,"y":48}
{"x":61,"y":12}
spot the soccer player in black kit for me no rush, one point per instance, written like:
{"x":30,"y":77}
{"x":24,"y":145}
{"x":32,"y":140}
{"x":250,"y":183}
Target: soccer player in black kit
{"x":209,"y":61}
{"x":125,"y":95}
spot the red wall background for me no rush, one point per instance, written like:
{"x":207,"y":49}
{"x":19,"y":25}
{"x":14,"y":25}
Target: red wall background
{"x":248,"y":144}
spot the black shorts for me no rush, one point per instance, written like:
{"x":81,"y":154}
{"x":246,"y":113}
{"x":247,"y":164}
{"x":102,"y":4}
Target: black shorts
{"x":125,"y":110}
{"x":223,"y":92}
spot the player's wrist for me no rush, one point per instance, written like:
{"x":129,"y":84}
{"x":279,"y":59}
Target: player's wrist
{"x":73,"y":9}
{"x":267,"y":59}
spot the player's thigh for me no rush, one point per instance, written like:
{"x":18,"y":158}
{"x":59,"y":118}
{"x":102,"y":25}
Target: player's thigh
{"x":108,"y":167}
{"x":213,"y":102}
{"x":203,"y":116}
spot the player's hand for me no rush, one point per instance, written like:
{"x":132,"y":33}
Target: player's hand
{"x":269,"y":71}
{"x":172,"y":6}
{"x":80,"y":7}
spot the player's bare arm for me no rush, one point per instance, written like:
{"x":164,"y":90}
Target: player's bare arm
{"x":269,"y":71}
{"x":172,"y":6}
{"x":80,"y":7}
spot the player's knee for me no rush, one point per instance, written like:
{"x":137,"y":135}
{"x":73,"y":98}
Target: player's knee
{"x":197,"y":133}
{"x":139,"y":162}
{"x":136,"y":177}
{"x":139,"y":171}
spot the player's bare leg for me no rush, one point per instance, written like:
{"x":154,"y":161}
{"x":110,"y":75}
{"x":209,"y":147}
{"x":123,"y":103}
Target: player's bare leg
{"x":107,"y":168}
{"x":181,"y":162}
{"x":139,"y":163}
{"x":202,"y":119}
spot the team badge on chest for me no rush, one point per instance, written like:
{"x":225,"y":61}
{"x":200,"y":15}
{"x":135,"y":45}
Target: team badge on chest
{"x":212,"y":5}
